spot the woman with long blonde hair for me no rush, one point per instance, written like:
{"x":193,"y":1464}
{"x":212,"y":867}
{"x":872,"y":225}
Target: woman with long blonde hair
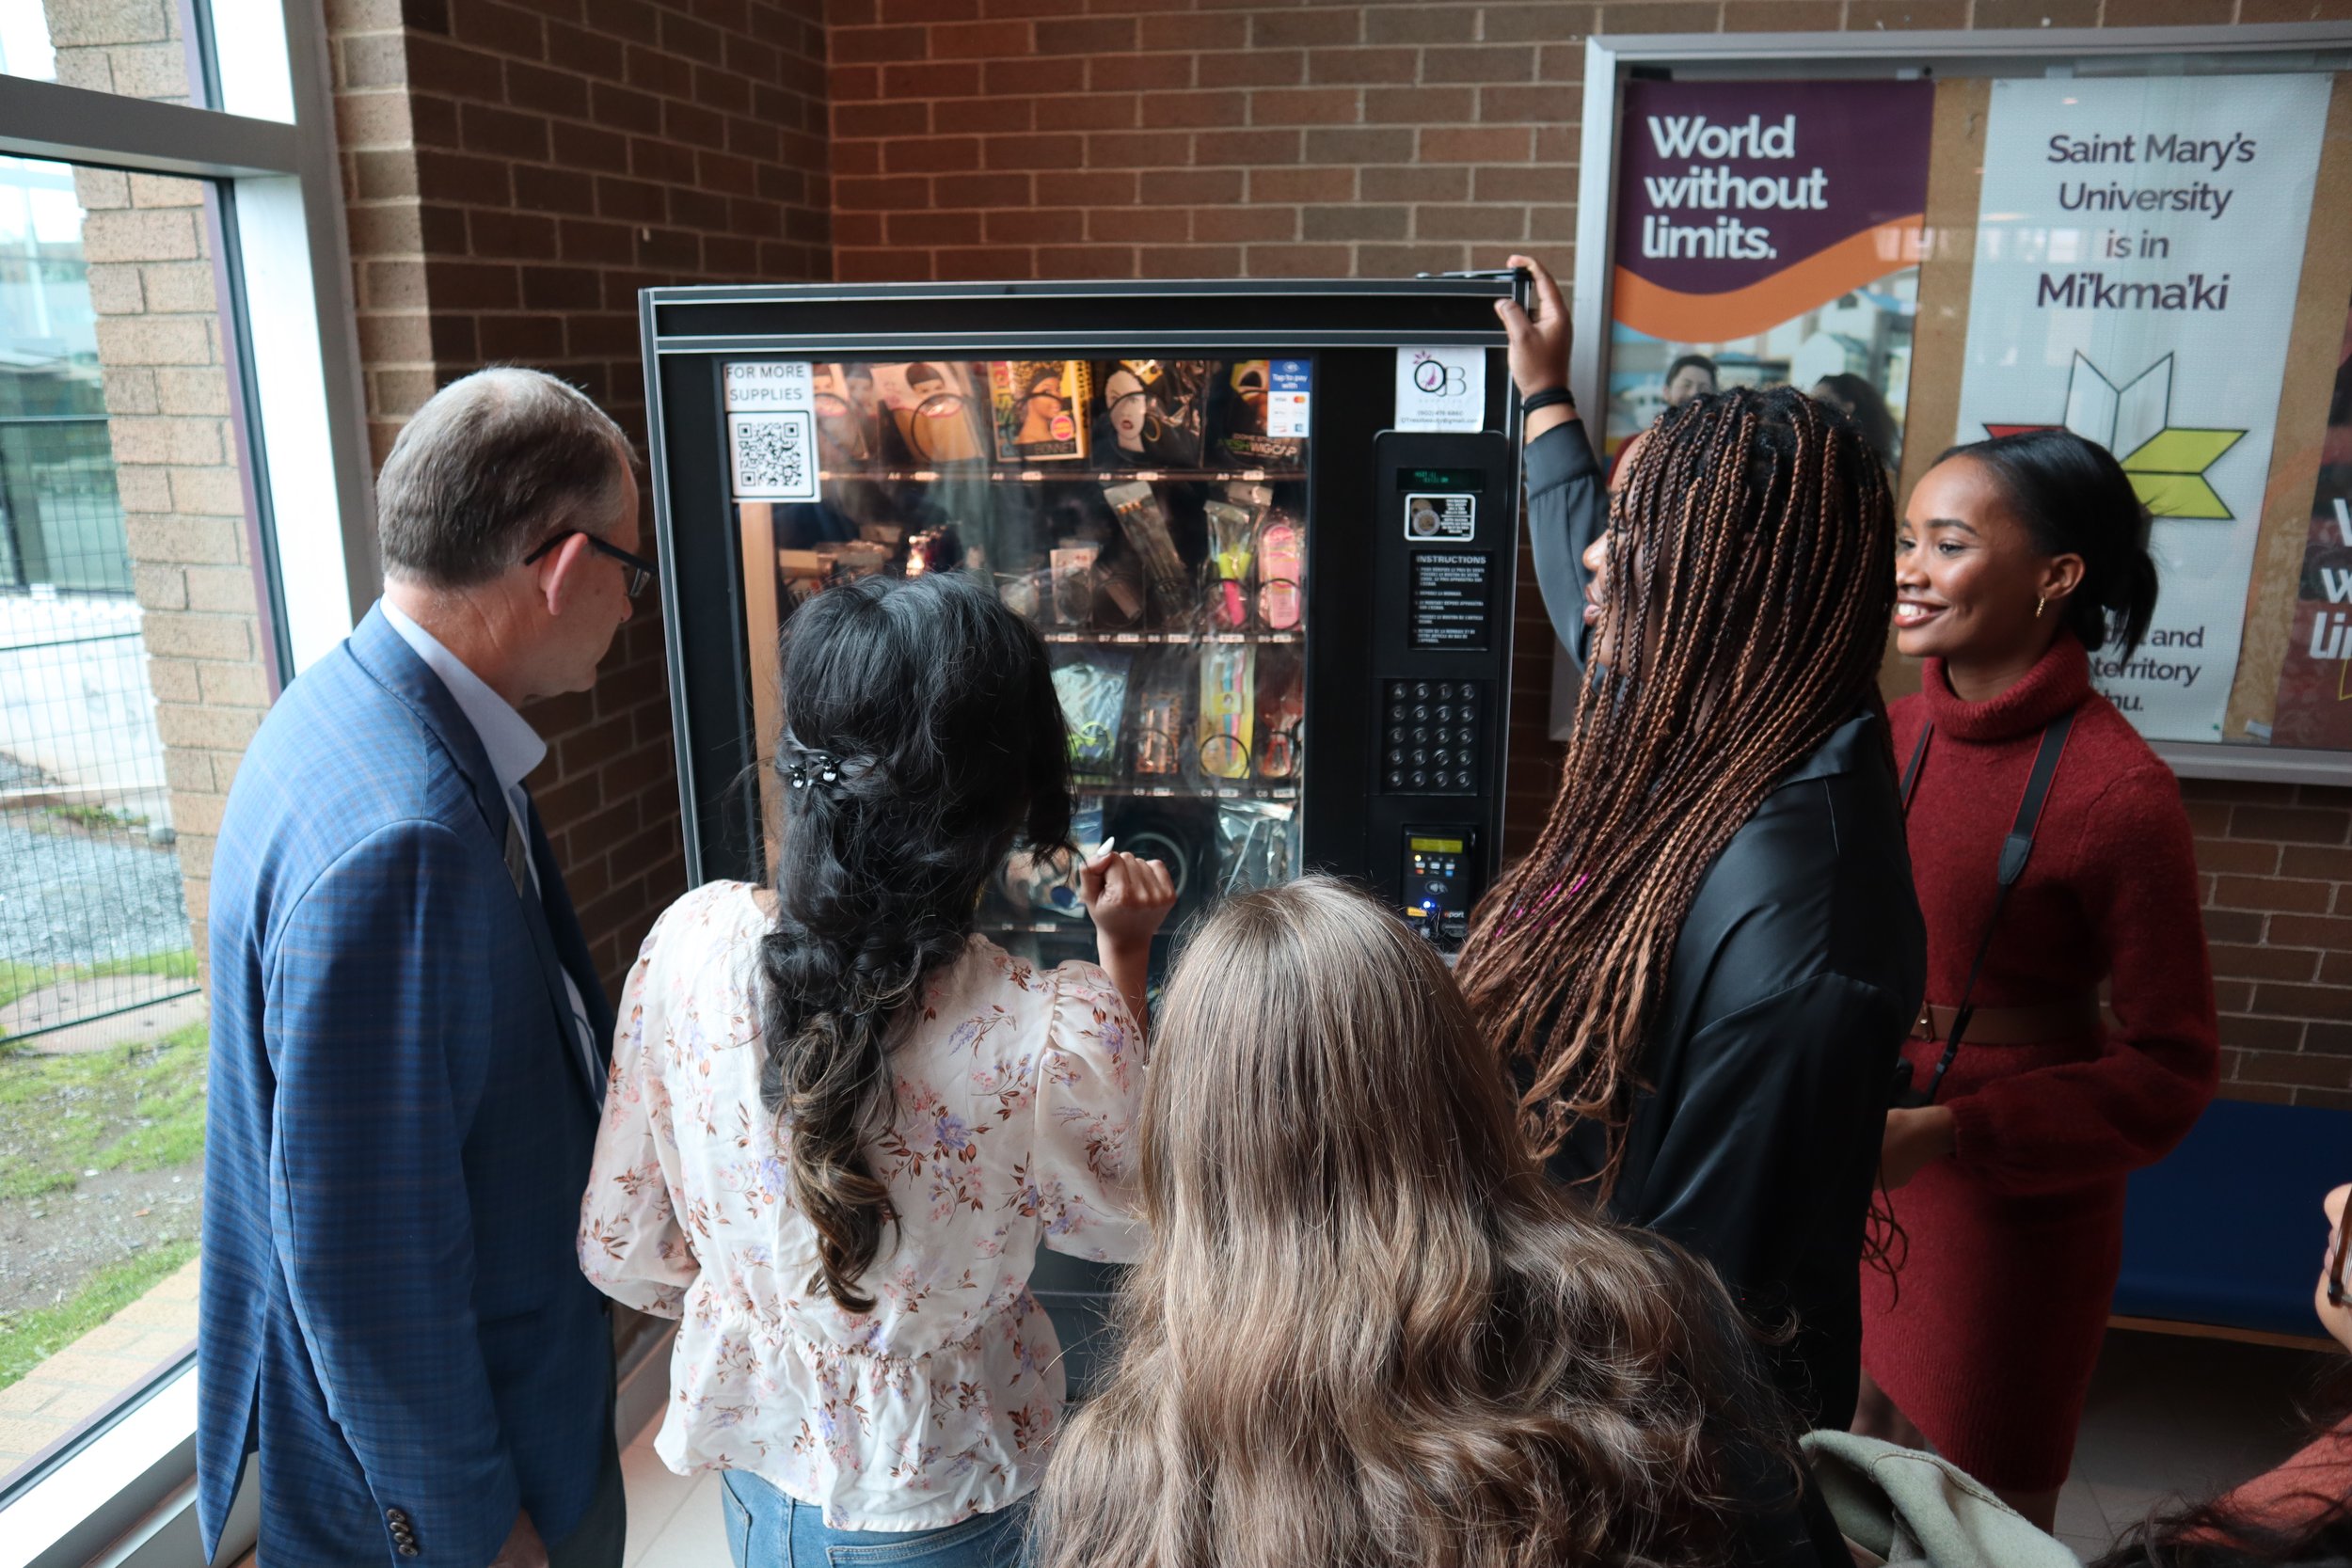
{"x":1366,"y":1330}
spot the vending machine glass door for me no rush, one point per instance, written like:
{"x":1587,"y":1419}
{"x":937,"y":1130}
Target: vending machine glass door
{"x":1149,"y":515}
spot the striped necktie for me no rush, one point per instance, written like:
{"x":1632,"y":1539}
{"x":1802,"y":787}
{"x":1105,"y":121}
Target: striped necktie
{"x":520,"y":865}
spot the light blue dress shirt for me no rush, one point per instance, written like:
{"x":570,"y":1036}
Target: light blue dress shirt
{"x":514,"y":749}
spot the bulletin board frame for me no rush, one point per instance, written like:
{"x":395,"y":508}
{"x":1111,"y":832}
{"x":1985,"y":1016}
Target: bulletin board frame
{"x":1610,"y":61}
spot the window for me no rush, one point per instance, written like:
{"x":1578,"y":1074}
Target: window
{"x":176,"y":356}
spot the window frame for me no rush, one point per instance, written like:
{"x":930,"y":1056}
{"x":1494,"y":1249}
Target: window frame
{"x":123,"y":1489}
{"x":292,"y":348}
{"x":1611,"y":60}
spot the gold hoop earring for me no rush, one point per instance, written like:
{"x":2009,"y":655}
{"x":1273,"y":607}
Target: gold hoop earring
{"x":2039,"y":606}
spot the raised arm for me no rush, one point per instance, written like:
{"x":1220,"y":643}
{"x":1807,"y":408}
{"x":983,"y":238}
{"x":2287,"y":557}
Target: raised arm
{"x":1566,"y":505}
{"x":1080,"y":1180}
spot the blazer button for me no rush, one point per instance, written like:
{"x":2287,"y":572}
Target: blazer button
{"x":406,"y":1548}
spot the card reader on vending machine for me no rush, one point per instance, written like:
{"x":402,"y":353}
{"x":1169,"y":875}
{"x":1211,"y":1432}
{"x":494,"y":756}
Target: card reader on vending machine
{"x":1441,"y":881}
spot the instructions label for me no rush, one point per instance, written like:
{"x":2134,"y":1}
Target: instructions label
{"x":1441,"y":388}
{"x":1442,"y":518}
{"x":1450,"y":599}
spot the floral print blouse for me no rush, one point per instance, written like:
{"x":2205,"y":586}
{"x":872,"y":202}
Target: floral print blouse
{"x":1017,"y":1092}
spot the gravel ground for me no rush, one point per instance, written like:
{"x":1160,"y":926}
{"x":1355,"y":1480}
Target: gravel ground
{"x":50,"y":1245}
{"x":68,"y":897}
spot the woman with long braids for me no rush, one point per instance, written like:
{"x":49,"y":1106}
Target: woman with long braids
{"x":1366,"y":1332}
{"x":841,"y":1123}
{"x":2019,"y":557}
{"x":1703,"y":972}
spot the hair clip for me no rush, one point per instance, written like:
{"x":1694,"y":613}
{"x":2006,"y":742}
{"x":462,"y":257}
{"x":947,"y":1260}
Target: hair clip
{"x":806,"y":765}
{"x":825,"y":767}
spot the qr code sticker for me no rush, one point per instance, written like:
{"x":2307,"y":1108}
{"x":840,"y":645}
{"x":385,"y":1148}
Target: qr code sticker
{"x":775,"y":456}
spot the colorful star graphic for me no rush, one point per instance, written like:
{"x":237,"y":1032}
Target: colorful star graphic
{"x":2165,"y":464}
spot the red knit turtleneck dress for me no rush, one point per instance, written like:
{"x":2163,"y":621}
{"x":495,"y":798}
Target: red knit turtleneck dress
{"x":2013,"y":1244}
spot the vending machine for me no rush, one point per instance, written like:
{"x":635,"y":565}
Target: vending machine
{"x":1269,"y":529}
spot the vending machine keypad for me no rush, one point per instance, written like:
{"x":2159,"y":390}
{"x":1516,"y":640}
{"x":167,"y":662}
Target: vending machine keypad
{"x":1430,"y":736}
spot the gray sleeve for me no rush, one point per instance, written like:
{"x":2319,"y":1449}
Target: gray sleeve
{"x":1566,"y":509}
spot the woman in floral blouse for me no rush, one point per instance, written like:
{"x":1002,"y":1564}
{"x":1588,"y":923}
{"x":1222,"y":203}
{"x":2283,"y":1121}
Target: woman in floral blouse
{"x":841,"y":1123}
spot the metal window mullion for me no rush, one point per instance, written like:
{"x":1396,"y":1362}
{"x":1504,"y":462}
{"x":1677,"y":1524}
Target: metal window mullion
{"x":244,"y":404}
{"x":44,"y":119}
{"x":320,"y":167}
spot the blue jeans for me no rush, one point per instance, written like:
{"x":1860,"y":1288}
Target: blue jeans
{"x":767,"y":1529}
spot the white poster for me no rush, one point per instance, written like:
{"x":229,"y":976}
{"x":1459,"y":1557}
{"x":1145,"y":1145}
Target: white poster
{"x":1441,"y":388}
{"x":2138,"y":244}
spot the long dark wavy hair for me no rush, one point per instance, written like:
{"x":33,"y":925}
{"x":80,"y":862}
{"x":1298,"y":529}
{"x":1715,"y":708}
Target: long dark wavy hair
{"x":1367,"y":1330}
{"x":933,"y":708}
{"x":1751,"y":581}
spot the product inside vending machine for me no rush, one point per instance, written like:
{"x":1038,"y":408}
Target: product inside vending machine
{"x":1148,"y":516}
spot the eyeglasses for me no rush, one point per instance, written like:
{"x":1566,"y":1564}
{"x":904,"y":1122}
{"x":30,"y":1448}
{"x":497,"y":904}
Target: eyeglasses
{"x":641,"y":571}
{"x":2336,"y":1295}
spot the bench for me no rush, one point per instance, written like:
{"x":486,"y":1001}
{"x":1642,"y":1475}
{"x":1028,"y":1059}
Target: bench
{"x":2222,"y":1237}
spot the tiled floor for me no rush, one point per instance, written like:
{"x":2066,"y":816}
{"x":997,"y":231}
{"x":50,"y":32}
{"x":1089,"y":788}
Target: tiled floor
{"x":673,"y":1521}
{"x":2180,"y":1416}
{"x":2165,"y":1416}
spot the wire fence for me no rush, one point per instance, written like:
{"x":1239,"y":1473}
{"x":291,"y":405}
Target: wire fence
{"x":63,"y":523}
{"x":93,"y":922}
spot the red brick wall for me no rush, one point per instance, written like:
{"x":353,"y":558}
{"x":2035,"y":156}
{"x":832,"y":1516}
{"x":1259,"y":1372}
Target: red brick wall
{"x":515,"y":173}
{"x":2277,"y":872}
{"x":1121,"y":138}
{"x":1118,"y":139}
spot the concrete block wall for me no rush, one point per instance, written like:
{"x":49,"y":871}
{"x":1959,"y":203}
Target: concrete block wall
{"x":175,"y":463}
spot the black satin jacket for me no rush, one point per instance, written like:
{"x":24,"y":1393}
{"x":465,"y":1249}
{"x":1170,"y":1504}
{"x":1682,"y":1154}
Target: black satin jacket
{"x":1755,"y":1140}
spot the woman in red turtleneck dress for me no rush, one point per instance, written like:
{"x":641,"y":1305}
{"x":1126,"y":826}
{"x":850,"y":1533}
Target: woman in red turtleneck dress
{"x":2018,"y":557}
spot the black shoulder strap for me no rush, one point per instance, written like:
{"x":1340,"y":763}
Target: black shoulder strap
{"x":2015,"y":850}
{"x":1911,"y":768}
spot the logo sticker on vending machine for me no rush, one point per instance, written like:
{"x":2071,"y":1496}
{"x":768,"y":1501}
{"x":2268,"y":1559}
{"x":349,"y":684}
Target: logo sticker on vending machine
{"x":1441,"y":388}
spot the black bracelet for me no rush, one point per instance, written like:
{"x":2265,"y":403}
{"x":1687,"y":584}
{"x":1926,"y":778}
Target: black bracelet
{"x":1549,"y":398}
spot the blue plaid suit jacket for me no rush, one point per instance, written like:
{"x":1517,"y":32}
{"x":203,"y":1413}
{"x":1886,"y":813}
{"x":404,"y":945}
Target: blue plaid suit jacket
{"x":398,"y":1137}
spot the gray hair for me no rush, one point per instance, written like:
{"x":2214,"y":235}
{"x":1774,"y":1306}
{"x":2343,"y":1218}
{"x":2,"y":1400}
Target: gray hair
{"x":492,"y":465}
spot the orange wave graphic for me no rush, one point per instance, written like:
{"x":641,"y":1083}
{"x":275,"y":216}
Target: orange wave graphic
{"x":1683,"y":318}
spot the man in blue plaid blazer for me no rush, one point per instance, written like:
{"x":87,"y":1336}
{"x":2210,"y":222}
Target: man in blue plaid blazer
{"x":409,"y":1040}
